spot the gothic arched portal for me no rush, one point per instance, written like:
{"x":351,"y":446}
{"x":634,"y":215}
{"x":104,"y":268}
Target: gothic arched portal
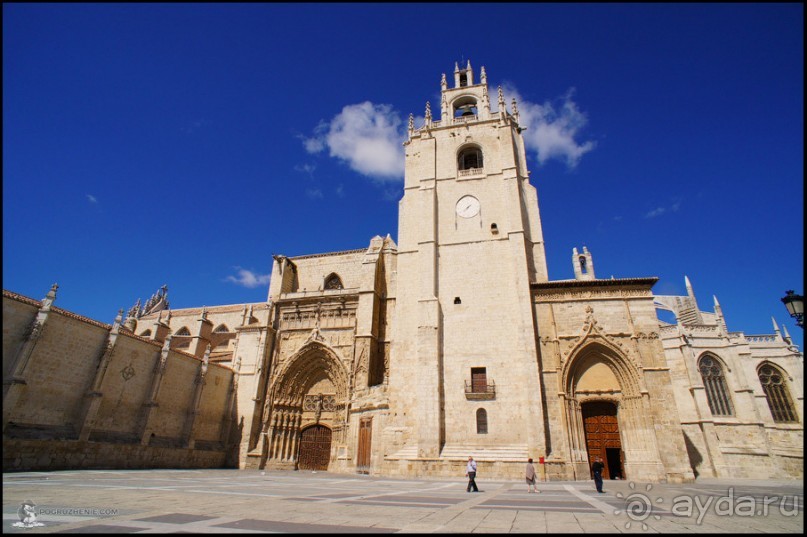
{"x":307,"y":398}
{"x":606,"y":410}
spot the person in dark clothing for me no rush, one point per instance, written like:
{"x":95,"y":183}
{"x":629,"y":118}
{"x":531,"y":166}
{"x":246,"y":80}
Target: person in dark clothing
{"x":597,"y":468}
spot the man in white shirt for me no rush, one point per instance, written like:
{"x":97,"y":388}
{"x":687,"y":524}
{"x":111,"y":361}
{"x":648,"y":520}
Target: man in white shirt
{"x":470,"y":471}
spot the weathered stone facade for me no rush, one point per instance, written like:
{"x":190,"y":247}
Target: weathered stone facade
{"x":82,"y":394}
{"x":404,"y":359}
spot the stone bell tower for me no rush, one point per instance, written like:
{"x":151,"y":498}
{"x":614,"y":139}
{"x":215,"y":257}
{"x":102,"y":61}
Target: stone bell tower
{"x":470,"y":244}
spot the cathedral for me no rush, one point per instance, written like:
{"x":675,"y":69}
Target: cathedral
{"x":405,"y":358}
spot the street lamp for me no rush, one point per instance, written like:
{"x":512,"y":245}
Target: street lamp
{"x":795,"y":306}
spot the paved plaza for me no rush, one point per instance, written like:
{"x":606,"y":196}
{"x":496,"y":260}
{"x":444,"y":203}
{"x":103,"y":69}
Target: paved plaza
{"x":251,"y":501}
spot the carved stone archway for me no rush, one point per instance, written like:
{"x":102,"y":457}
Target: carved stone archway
{"x":311,"y":389}
{"x":598,"y":371}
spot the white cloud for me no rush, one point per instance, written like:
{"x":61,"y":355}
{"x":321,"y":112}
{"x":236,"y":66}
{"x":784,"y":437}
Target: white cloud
{"x":314,"y":193}
{"x":367,"y":137}
{"x":92,"y":199}
{"x":658,"y":211}
{"x":551,"y":129}
{"x":247,"y":278}
{"x":307,"y":169}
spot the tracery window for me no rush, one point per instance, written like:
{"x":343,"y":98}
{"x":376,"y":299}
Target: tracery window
{"x":183,"y":332}
{"x":714,"y":382}
{"x":777,"y":394}
{"x":481,"y":421}
{"x":333,"y":282}
{"x":222,"y":328}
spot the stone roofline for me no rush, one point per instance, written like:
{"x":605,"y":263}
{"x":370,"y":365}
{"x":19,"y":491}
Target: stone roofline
{"x":228,"y":308}
{"x":616,"y":282}
{"x":330,"y":254}
{"x":55,"y":309}
{"x":22,"y":298}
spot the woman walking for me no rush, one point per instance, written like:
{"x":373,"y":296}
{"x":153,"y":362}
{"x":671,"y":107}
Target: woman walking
{"x":530,"y":476}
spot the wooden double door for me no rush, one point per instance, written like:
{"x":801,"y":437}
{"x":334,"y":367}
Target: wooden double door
{"x":315,"y":448}
{"x":602,"y":438}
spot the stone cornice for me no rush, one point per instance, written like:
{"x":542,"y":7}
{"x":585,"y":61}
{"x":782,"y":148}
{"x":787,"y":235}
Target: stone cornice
{"x":577,"y":284}
{"x":329,"y":254}
{"x":21,"y":298}
{"x":593,"y":289}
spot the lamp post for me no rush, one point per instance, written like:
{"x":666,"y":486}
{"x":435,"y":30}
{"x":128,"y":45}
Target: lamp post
{"x":795,"y":306}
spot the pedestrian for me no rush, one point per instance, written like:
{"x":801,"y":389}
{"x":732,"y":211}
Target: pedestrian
{"x":597,"y":468}
{"x":530,"y":475}
{"x":470,"y":471}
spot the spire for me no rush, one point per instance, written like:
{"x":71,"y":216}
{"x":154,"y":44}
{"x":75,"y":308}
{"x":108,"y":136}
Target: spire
{"x":515,"y":109}
{"x":47,"y":302}
{"x":787,"y":335}
{"x":485,"y":98}
{"x":502,"y":108}
{"x":118,"y":319}
{"x":776,"y":327}
{"x":52,"y":293}
{"x":483,"y":77}
{"x":690,"y":292}
{"x":428,"y":114}
{"x":443,"y":83}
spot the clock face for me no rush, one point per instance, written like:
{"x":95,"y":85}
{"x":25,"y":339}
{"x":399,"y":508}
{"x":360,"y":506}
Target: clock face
{"x":468,"y":206}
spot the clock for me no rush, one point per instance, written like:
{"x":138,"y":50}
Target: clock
{"x":468,"y":207}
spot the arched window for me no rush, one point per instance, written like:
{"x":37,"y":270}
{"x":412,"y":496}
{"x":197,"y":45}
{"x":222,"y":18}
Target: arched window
{"x":714,"y":382}
{"x":222,"y":328}
{"x":183,"y":331}
{"x":470,"y":158}
{"x":333,"y":282}
{"x":147,"y":333}
{"x":481,"y":421}
{"x":777,"y":394}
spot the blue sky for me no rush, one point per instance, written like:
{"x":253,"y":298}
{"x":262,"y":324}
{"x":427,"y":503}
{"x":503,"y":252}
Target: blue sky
{"x":184,"y":144}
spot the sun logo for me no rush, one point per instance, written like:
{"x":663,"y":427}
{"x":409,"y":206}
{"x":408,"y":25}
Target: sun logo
{"x":638,"y":506}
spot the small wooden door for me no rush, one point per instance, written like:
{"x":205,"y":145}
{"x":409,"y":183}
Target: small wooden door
{"x":365,"y":440}
{"x":479,"y":380}
{"x":602,"y":437}
{"x":315,"y":448}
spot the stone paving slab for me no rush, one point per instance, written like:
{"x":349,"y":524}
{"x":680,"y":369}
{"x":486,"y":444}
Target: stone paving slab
{"x":249,"y":501}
